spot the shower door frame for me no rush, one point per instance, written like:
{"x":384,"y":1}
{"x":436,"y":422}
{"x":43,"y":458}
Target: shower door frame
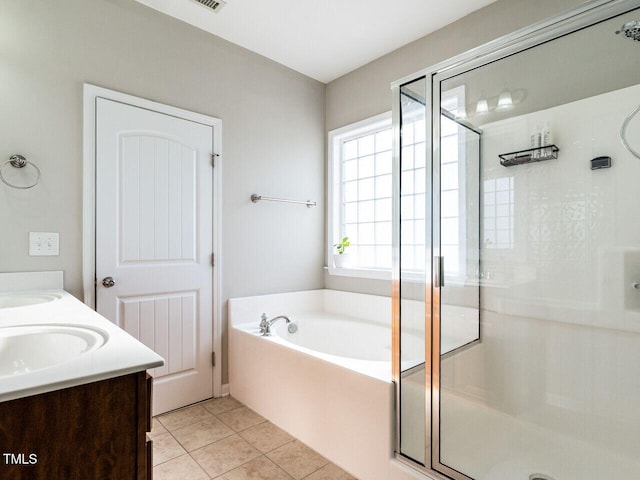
{"x":585,"y":15}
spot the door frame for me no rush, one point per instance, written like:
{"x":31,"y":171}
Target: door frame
{"x":90,"y":94}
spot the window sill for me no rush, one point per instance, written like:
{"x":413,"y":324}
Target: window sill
{"x":360,"y":273}
{"x":377,"y":274}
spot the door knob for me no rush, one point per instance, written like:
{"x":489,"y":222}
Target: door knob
{"x":108,"y":282}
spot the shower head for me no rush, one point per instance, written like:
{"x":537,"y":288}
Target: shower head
{"x":631,"y":30}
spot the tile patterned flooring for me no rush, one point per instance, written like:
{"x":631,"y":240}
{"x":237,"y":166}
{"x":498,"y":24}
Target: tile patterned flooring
{"x":224,"y":440}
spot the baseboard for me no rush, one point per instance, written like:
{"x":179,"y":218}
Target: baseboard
{"x":224,"y":391}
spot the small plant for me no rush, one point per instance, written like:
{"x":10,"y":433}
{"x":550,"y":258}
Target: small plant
{"x":342,"y":245}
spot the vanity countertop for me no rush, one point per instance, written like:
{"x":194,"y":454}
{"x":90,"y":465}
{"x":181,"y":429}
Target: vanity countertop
{"x":121,"y":354}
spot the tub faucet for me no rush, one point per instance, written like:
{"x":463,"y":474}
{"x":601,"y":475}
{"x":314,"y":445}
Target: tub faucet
{"x":265,"y":325}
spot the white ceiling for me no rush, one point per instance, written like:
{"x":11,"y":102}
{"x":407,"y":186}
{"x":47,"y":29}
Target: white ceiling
{"x":323,"y":39}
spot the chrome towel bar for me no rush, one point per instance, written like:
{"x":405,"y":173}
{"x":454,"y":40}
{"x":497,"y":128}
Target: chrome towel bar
{"x":255,"y":198}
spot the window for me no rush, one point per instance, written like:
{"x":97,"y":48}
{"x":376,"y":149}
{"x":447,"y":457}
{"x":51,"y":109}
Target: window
{"x":360,"y":196}
{"x":413,"y":201}
{"x":361,"y":185}
{"x":498,"y":212}
{"x":450,"y":195}
{"x":459,"y":215}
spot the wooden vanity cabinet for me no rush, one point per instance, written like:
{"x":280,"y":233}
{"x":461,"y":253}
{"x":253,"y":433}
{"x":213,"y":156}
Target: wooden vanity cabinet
{"x":95,"y":431}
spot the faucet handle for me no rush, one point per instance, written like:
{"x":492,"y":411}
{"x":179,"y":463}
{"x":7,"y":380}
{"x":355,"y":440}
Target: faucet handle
{"x":264,"y":325}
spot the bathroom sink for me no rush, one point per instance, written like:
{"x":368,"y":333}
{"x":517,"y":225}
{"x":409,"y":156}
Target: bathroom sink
{"x":27,"y":348}
{"x":18,"y":299}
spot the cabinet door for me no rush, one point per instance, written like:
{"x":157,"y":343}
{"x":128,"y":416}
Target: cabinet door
{"x":69,"y":434}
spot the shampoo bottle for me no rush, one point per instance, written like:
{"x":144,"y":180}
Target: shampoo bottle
{"x":536,"y":141}
{"x":547,"y":139}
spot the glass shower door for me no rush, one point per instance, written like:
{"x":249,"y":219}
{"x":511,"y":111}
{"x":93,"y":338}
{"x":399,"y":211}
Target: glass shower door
{"x":456,"y":299}
{"x":549,"y":267}
{"x":516,"y":297}
{"x":413,"y":241}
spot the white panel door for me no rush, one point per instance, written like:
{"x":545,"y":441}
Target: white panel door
{"x":154,"y":239}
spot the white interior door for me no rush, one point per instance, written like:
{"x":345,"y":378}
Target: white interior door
{"x":154,"y":239}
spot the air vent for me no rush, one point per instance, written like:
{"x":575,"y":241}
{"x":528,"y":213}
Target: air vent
{"x":215,"y":5}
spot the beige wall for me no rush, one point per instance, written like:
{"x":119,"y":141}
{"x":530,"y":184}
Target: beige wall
{"x":366,"y":91}
{"x":272,"y":124}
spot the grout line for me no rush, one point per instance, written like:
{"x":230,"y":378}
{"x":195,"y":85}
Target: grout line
{"x":169,"y":459}
{"x":235,"y":432}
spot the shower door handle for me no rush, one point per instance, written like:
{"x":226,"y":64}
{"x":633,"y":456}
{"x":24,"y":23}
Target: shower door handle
{"x":439,"y":271}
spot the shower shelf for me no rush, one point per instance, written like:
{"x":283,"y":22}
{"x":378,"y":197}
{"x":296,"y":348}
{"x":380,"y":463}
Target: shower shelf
{"x":548,"y":152}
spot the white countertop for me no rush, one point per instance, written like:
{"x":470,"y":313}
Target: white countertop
{"x":120,"y":355}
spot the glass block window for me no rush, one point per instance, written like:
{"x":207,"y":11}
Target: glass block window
{"x":360,"y":199}
{"x":456,"y":150}
{"x":366,"y":197}
{"x":413,"y":191}
{"x":498,"y":212}
{"x":360,"y":196}
{"x":450,"y":195}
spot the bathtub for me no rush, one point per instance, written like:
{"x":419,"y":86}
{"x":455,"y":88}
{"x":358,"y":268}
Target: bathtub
{"x":357,"y":345}
{"x":328,"y":384}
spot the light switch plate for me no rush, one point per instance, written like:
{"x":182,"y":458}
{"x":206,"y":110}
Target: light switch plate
{"x":44,"y":243}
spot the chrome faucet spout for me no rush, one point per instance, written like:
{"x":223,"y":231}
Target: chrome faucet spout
{"x":265,"y":325}
{"x":274,"y":319}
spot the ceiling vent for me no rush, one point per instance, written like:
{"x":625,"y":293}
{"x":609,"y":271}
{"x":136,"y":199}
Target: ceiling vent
{"x":215,"y":5}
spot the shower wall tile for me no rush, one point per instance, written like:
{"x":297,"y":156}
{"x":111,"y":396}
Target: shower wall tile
{"x":561,"y":333}
{"x":565,"y":213}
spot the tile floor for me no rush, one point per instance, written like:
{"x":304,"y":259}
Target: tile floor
{"x":225,"y":440}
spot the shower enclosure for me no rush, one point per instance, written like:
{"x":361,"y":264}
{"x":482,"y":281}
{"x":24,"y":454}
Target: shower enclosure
{"x":517,"y":255}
